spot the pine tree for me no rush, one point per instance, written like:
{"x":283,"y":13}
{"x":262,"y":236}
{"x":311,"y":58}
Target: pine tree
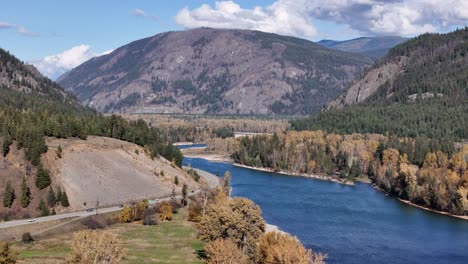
{"x":184,"y":194}
{"x":42,"y":178}
{"x":58,"y":196}
{"x":64,"y":199}
{"x":9,"y":196}
{"x":51,"y":199}
{"x":25,"y":194}
{"x":6,"y":143}
{"x":355,"y":169}
{"x":59,"y":152}
{"x":43,"y":208}
{"x":176,"y":180}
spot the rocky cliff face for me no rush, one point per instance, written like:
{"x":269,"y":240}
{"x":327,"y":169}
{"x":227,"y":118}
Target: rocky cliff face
{"x":425,"y":67}
{"x":215,"y":71}
{"x":369,"y":84}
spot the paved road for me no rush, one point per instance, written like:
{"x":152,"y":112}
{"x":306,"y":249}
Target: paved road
{"x":213,"y":181}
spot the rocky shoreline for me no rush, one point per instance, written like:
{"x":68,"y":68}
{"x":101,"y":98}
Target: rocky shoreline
{"x":312,"y":176}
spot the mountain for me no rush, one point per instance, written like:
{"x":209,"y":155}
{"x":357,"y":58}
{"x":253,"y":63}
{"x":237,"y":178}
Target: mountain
{"x":419,"y":88}
{"x":35,"y":111}
{"x":216,"y":71}
{"x":19,"y":78}
{"x":375,"y":47}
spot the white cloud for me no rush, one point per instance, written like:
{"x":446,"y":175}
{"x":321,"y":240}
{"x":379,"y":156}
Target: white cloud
{"x":6,"y":25}
{"x":19,"y":29}
{"x":25,"y":32}
{"x":55,"y":65}
{"x":282,"y":17}
{"x":138,"y":12}
{"x":294,"y":17}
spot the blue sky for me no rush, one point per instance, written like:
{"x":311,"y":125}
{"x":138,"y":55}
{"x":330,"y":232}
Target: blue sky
{"x":58,"y":35}
{"x":102,"y":24}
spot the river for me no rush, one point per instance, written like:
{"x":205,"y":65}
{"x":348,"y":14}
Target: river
{"x":352,"y":224}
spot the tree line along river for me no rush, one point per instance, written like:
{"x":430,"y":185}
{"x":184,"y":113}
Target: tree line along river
{"x":352,"y":224}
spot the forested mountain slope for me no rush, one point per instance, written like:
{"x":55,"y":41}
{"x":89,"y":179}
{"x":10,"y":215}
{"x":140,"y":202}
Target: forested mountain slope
{"x":216,"y":71}
{"x":32,"y":108}
{"x":419,"y":88}
{"x":26,"y":81}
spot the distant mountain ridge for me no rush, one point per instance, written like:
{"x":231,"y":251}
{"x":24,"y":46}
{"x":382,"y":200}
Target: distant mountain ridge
{"x":215,"y":71}
{"x":431,"y":65}
{"x":375,"y":47}
{"x":419,"y":88}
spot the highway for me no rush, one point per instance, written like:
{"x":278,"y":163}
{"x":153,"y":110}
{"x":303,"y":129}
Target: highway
{"x":212,"y":180}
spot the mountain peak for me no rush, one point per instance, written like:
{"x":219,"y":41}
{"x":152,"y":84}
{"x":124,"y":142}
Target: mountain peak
{"x":216,"y":71}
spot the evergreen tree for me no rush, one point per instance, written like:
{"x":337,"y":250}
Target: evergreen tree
{"x":25,"y":194}
{"x":58,"y":196}
{"x":6,"y":143}
{"x":176,"y":180}
{"x":184,"y":194}
{"x":42,"y":178}
{"x":59,"y":152}
{"x":51,"y":198}
{"x":43,"y":208}
{"x":355,"y":170}
{"x":64,"y":199}
{"x":9,"y":196}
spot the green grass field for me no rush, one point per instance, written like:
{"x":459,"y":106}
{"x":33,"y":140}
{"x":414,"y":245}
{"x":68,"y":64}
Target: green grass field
{"x":166,"y":243}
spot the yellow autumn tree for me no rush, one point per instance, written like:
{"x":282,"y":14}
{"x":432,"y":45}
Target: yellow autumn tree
{"x":7,"y":254}
{"x":224,"y":251}
{"x":281,"y":248}
{"x":463,"y":200}
{"x":390,"y":158}
{"x":165,"y":211}
{"x":140,"y":208}
{"x":126,"y":215}
{"x":238,"y":219}
{"x":93,"y":247}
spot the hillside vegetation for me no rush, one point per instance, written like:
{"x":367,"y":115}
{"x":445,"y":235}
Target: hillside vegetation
{"x":427,"y":172}
{"x":32,"y":107}
{"x":419,"y":88}
{"x":215,"y":71}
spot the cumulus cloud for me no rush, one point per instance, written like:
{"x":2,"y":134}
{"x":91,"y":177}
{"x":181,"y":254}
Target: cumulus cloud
{"x":55,"y":65}
{"x":282,"y":17}
{"x":296,"y":17}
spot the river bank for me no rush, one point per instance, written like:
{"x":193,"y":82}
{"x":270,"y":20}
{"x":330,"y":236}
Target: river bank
{"x":289,"y":173}
{"x":464,"y":217}
{"x":217,"y":157}
{"x":367,"y":181}
{"x":334,"y":218}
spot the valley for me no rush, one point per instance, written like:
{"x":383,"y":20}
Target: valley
{"x":213,"y":144}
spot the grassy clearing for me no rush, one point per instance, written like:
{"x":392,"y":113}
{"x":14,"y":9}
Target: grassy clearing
{"x":166,"y":243}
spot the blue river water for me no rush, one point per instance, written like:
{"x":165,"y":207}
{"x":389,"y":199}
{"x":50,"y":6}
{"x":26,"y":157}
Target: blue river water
{"x":352,"y":224}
